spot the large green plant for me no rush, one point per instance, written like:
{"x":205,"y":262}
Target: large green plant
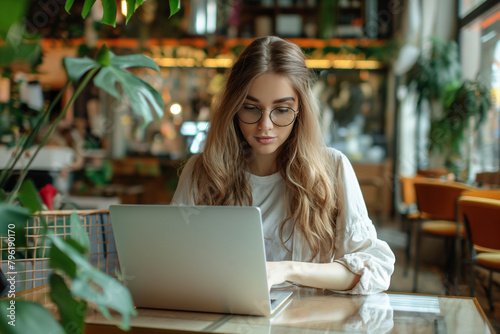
{"x":466,"y":104}
{"x":431,"y":75}
{"x":67,"y":256}
{"x":433,"y":72}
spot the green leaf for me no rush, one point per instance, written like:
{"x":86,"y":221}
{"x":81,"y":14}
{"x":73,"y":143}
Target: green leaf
{"x":131,"y":7}
{"x":72,"y":312}
{"x":175,"y":6}
{"x":12,"y":12}
{"x":103,"y":55}
{"x":78,"y":233}
{"x":92,"y":285}
{"x":138,"y":92}
{"x":59,"y":257}
{"x":77,"y":67}
{"x":109,"y":12}
{"x":3,"y":195}
{"x":106,"y":292}
{"x":29,"y":197}
{"x":60,"y":260}
{"x":71,"y":249}
{"x":24,"y":52}
{"x":130,"y":61}
{"x":87,"y":6}
{"x":30,"y":317}
{"x":13,"y":214}
{"x":69,"y":4}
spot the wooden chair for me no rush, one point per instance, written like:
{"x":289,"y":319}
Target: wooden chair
{"x":433,"y":173}
{"x":437,"y":204}
{"x":407,"y":207}
{"x":480,"y":211}
{"x":488,"y":179}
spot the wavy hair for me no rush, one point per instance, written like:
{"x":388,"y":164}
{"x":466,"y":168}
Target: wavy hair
{"x":302,"y":160}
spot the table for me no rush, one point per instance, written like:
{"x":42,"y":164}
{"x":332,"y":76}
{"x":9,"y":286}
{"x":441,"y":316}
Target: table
{"x":93,"y":202}
{"x":314,"y":311}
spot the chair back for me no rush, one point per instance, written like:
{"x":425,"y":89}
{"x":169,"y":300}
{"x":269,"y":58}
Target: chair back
{"x":482,"y":215}
{"x":406,"y":198}
{"x":488,"y":179}
{"x":483,"y":193}
{"x":438,"y":199}
{"x":433,"y":173}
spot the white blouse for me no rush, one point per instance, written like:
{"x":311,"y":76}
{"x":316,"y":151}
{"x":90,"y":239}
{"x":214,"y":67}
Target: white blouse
{"x":356,"y":243}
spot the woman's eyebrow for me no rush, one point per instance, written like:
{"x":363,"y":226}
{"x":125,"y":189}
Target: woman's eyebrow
{"x":283,"y":99}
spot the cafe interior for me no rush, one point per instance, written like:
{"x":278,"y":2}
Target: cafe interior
{"x":409,"y":91}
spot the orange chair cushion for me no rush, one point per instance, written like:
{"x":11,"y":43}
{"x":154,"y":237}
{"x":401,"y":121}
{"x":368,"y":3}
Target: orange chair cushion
{"x":490,"y":260}
{"x":445,"y":228}
{"x":481,"y":249}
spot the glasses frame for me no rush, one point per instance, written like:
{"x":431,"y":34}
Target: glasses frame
{"x":295,"y":112}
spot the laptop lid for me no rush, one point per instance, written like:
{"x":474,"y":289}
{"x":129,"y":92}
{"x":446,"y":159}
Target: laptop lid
{"x":193,"y":258}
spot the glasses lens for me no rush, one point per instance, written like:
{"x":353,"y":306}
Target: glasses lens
{"x":282,"y":116}
{"x":249,"y":113}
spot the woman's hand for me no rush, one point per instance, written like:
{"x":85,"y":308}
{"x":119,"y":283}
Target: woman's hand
{"x":278,"y":272}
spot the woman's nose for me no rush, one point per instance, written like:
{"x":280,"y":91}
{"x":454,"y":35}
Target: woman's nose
{"x":265,"y":121}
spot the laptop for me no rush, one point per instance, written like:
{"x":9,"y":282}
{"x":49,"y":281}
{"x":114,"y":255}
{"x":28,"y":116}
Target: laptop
{"x":195,"y":258}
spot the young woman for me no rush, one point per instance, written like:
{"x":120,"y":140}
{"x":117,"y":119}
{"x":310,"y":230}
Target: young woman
{"x":265,"y":148}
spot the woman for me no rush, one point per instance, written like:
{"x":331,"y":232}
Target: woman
{"x":265,"y":148}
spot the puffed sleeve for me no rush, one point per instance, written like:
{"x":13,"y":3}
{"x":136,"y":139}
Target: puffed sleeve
{"x":181,"y":195}
{"x":356,"y":245}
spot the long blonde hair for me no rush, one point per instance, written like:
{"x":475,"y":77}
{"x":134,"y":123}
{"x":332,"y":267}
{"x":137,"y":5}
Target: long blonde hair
{"x":304,"y":164}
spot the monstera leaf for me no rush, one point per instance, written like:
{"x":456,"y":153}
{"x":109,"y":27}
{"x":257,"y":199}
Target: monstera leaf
{"x":110,"y":8}
{"x":12,"y":13}
{"x":112,"y":71}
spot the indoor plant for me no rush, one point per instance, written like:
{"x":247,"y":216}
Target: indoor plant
{"x":465,"y":107}
{"x":431,"y":75}
{"x":67,"y":256}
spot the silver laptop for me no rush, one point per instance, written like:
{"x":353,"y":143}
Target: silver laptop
{"x":195,"y":258}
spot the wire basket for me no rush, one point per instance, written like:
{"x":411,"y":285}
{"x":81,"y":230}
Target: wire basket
{"x":31,"y":266}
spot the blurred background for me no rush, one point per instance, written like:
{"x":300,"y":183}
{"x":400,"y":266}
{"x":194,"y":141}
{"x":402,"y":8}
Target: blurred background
{"x":406,"y":88}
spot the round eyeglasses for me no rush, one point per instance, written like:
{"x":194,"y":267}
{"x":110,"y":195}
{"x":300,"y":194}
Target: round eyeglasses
{"x":281,"y":116}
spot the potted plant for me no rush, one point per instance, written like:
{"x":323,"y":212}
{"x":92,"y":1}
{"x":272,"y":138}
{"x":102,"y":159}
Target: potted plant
{"x":83,"y":283}
{"x":466,"y":105}
{"x":431,"y":75}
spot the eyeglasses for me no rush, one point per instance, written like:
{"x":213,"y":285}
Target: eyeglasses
{"x":281,"y":116}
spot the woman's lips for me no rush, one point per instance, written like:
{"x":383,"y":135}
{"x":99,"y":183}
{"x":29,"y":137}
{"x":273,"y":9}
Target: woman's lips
{"x":264,"y":140}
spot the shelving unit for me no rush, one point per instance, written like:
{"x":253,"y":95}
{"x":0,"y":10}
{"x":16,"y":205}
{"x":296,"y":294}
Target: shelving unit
{"x":314,"y":19}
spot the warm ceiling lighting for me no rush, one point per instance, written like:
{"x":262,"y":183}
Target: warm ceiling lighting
{"x":358,"y":64}
{"x":175,"y":109}
{"x":166,"y":62}
{"x":124,"y":8}
{"x":175,"y":62}
{"x":343,"y":64}
{"x":318,"y":63}
{"x":368,"y":64}
{"x":218,"y":62}
{"x":311,"y":63}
